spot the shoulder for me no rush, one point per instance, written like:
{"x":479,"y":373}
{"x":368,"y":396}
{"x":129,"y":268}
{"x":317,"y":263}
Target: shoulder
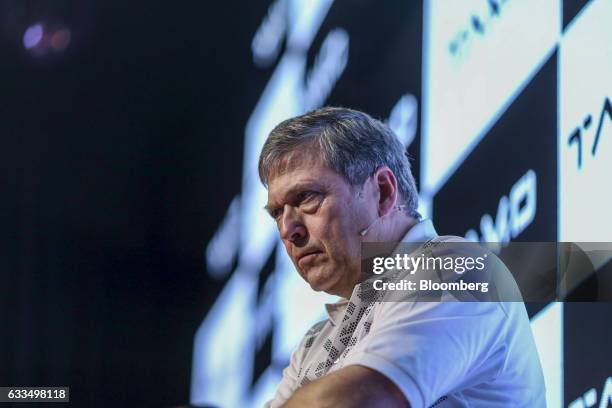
{"x":315,"y":330}
{"x":453,"y":242}
{"x":311,"y":337}
{"x":301,"y":352}
{"x":454,"y":246}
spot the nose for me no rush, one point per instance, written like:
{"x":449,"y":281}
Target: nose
{"x":291,"y":226}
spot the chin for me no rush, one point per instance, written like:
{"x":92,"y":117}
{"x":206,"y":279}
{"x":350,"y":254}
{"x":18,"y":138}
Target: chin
{"x":321,"y":281}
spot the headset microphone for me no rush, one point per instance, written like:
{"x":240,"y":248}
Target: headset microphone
{"x":364,"y":231}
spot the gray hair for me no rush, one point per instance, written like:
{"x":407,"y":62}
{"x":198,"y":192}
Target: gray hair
{"x":350,"y":142}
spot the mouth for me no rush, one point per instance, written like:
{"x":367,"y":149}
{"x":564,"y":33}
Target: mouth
{"x":307,"y":258}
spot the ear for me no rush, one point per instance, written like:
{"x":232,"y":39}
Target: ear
{"x":387,"y":188}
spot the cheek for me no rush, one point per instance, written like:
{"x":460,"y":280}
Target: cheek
{"x":340,"y":238}
{"x":336,"y":226}
{"x":352,"y":239}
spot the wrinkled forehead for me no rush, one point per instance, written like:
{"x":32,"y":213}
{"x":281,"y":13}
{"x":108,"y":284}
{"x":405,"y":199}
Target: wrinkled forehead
{"x":303,"y":157}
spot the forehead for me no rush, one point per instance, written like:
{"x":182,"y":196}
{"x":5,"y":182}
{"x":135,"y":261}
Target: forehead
{"x":299,"y":170}
{"x":301,"y":157}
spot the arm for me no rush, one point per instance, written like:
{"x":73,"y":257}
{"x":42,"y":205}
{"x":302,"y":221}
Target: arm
{"x":352,"y":386}
{"x":287,"y":384}
{"x":290,"y":373}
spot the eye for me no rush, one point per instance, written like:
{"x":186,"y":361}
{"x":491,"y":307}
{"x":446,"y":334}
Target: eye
{"x":276,"y":213}
{"x":304,"y":196}
{"x":309,"y":200}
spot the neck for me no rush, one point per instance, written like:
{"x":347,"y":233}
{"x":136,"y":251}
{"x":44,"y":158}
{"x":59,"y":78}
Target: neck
{"x":391,"y":229}
{"x":399,"y":226}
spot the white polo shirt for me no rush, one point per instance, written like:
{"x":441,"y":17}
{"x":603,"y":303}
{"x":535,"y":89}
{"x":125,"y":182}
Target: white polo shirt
{"x":442,"y":354}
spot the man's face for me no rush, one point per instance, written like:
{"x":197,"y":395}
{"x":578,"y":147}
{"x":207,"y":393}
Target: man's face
{"x":319,"y":217}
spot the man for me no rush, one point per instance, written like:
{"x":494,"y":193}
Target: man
{"x":335,"y":178}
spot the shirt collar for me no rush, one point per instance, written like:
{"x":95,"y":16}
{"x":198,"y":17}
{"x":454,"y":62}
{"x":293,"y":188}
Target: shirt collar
{"x":335,"y":311}
{"x":421,"y":232}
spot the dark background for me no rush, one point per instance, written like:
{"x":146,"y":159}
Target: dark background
{"x":119,"y":158}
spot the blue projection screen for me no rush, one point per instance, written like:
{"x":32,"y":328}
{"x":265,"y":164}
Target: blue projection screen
{"x":505,"y":107}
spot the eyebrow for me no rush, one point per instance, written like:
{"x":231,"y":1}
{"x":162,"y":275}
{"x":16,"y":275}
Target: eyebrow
{"x":300,"y":186}
{"x":268,"y":208}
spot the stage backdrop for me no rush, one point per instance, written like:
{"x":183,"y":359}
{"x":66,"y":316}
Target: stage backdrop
{"x":504,"y":106}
